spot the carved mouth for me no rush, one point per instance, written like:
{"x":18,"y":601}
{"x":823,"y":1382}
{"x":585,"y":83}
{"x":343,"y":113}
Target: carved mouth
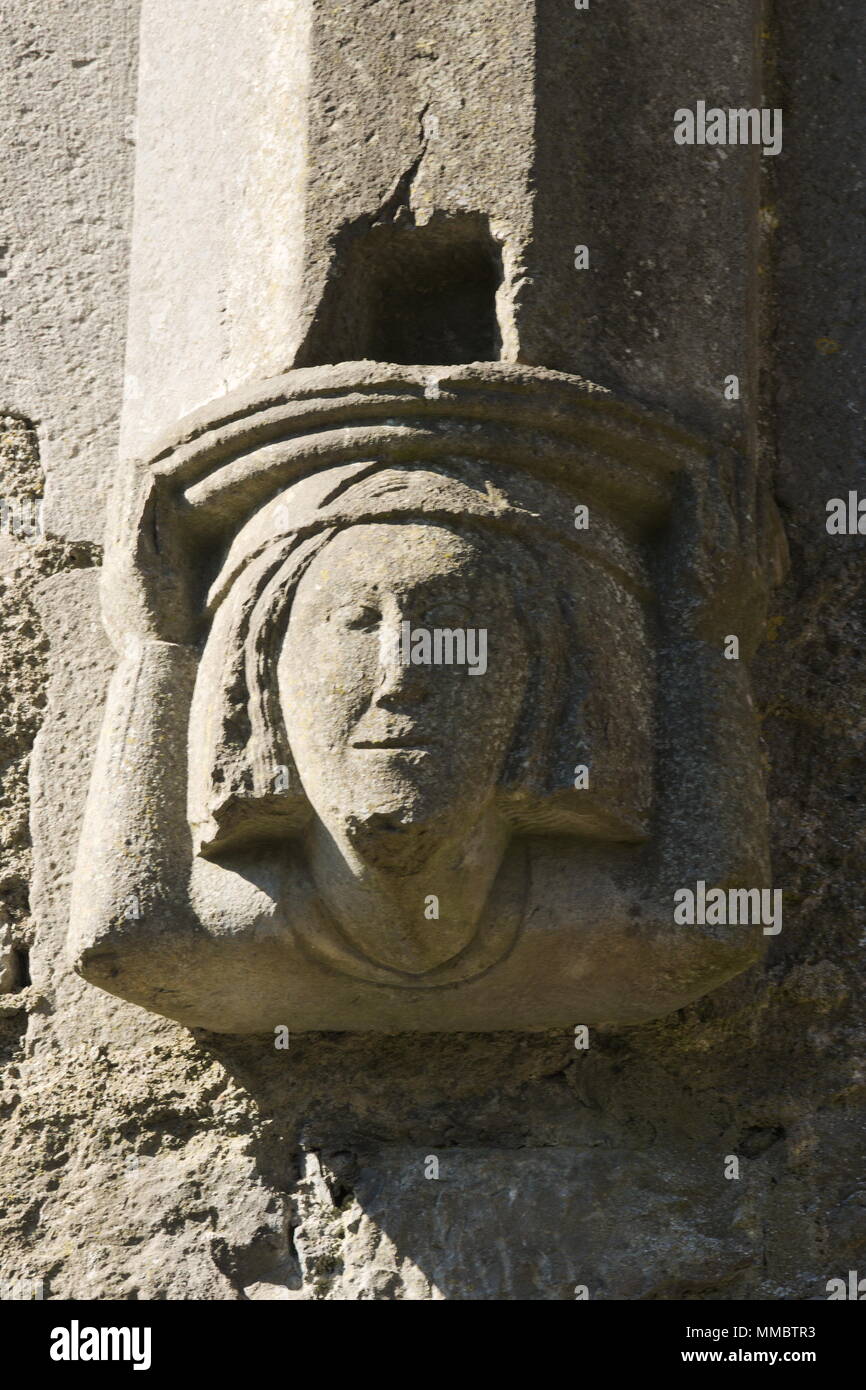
{"x":404,"y":744}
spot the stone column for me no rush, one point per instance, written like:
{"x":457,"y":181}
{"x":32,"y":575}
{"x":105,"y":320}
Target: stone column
{"x":303,"y":168}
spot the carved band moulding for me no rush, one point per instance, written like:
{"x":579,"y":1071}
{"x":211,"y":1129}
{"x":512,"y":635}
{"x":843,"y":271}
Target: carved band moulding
{"x":421,"y":713}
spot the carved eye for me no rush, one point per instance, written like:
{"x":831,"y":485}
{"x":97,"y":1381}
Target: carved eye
{"x":358,"y":617}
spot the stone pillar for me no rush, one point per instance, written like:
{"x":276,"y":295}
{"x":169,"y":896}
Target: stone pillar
{"x":220,"y":204}
{"x":303,"y":168}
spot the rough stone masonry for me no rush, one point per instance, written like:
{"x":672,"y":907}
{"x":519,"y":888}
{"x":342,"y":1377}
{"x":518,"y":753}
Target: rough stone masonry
{"x":326,"y":974}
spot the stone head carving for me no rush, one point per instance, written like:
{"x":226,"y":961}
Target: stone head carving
{"x":393,"y":724}
{"x":311,"y":717}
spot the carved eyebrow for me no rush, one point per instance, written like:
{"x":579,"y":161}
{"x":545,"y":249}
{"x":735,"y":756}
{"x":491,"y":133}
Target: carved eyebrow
{"x":438,"y":590}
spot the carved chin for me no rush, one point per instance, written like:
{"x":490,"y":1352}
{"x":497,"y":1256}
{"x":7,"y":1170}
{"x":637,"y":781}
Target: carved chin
{"x":399,"y":841}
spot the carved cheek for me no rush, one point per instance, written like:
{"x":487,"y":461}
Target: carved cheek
{"x":331,"y":678}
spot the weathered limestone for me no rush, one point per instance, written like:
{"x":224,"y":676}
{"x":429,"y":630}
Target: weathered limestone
{"x":68,"y":78}
{"x":141,"y":1161}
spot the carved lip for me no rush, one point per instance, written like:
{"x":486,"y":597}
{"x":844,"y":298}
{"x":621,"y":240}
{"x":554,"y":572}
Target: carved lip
{"x":405,"y":744}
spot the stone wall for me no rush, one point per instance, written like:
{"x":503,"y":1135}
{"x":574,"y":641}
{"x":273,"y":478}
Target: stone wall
{"x":140,"y":1160}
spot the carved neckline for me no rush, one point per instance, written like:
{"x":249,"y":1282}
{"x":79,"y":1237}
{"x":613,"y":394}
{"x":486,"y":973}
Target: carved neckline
{"x":320,"y":936}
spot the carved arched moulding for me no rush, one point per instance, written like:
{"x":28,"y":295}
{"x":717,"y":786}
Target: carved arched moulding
{"x":292,"y":823}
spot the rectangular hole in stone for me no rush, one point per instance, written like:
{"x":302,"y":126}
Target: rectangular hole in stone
{"x":436,"y":303}
{"x":411,"y":295}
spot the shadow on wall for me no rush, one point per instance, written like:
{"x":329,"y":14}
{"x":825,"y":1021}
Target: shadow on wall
{"x":397,"y":1207}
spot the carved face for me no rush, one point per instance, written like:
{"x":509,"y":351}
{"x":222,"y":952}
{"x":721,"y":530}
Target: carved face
{"x":399,"y":748}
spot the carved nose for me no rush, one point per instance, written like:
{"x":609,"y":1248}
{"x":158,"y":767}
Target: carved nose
{"x":400,"y":682}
